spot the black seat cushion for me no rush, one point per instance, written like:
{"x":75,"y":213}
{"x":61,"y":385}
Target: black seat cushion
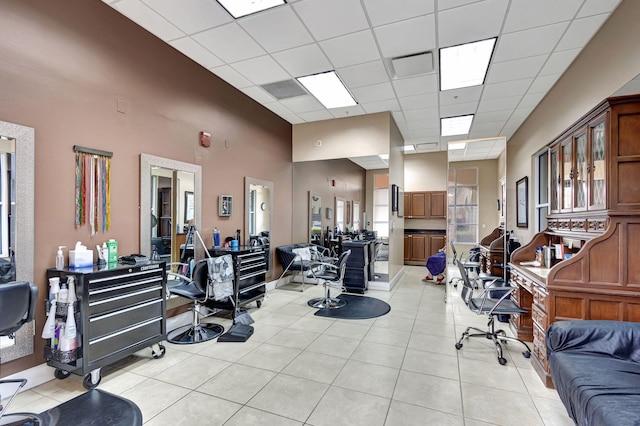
{"x":506,"y":306}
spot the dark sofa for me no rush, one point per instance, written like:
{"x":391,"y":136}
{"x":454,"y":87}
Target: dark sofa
{"x":595,"y":367}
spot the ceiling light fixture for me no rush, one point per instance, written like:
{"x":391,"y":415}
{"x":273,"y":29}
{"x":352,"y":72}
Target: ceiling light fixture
{"x":465,"y":65}
{"x":328,"y":89}
{"x":408,"y":148}
{"x":459,"y":125}
{"x":384,"y":157}
{"x":240,"y":8}
{"x":456,"y":145}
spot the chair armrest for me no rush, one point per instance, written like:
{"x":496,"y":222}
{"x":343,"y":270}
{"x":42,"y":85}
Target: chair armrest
{"x":618,"y":339}
{"x":33,"y":301}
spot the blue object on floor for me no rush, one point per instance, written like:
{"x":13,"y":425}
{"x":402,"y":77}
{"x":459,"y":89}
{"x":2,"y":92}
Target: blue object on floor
{"x":437,"y":263}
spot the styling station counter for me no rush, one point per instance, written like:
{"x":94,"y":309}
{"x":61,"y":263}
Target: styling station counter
{"x":120,"y":309}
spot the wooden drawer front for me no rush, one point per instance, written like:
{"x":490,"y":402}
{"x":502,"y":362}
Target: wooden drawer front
{"x":527,"y":284}
{"x":568,"y":308}
{"x":540,"y":346}
{"x":540,"y":298}
{"x":540,"y":318}
{"x":102,"y":325}
{"x":124,"y":339}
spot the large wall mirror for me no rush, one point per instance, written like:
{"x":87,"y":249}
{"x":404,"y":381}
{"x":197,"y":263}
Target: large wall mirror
{"x":16,"y":212}
{"x":340,"y":214}
{"x":258,"y":209}
{"x":170,"y":201}
{"x":315,"y":217}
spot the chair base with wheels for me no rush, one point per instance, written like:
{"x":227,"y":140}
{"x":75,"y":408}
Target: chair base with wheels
{"x":332,"y":276}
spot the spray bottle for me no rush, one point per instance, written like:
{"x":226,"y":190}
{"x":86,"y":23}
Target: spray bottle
{"x":216,"y":237}
{"x":60,"y":258}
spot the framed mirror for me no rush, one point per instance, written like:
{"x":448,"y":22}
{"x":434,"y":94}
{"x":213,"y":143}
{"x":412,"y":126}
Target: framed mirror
{"x":170,"y":192}
{"x":340,"y":214}
{"x":17,"y":166}
{"x":258,"y":211}
{"x":356,"y":216}
{"x":315,"y":217}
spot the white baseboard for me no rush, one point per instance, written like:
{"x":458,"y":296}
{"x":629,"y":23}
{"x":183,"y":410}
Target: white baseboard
{"x":35,"y":376}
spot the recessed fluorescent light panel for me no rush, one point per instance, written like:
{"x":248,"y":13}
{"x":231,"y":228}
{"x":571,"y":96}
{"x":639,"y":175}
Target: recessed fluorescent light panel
{"x":240,"y":8}
{"x":408,"y":148}
{"x":384,"y":157}
{"x":465,"y":65}
{"x":459,"y":125}
{"x":456,"y":145}
{"x":328,"y":89}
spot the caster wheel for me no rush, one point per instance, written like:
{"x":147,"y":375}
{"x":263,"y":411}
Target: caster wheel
{"x":526,"y":354}
{"x":259,"y":303}
{"x":61,"y":374}
{"x":458,"y":345}
{"x":502,"y":361}
{"x":160,"y":354}
{"x":88,"y":384}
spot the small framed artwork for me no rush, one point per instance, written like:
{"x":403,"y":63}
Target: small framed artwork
{"x":189,"y":206}
{"x":225,"y":205}
{"x":522,"y":203}
{"x":329,"y":213}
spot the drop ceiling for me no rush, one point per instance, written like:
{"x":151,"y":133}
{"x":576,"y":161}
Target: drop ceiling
{"x":537,"y":41}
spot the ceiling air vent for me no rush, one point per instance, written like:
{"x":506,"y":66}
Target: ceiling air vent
{"x":284,"y":89}
{"x":428,"y":146}
{"x":410,"y":65}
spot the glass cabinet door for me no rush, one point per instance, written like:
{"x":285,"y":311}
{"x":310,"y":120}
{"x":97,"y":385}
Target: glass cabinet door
{"x":580,"y":172}
{"x":554,"y":180}
{"x":597,"y":168}
{"x":567,"y":175}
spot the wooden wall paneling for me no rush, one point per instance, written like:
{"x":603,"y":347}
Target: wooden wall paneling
{"x":605,"y":310}
{"x":631,"y":263}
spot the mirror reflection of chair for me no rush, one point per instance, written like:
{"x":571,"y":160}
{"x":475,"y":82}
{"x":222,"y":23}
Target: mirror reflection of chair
{"x":331,"y":276}
{"x":485,"y":305}
{"x":196,"y":289}
{"x":18,"y":305}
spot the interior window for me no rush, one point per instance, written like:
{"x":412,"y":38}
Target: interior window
{"x":462,"y":197}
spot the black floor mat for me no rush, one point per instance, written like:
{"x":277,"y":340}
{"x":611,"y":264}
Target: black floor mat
{"x":357,"y":307}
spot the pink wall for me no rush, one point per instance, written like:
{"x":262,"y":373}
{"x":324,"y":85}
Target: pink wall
{"x":65,"y":64}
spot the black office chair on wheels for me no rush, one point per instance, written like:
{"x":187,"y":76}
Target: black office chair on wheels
{"x":470,"y":264}
{"x":331,"y":276}
{"x":17,"y":307}
{"x":484,"y":305}
{"x":196,"y":289}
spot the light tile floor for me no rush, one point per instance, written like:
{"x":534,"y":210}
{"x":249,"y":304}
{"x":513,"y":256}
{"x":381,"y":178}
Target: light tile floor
{"x":297,"y":369}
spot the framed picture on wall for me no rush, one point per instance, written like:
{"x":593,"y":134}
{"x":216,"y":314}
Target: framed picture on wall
{"x":225,"y":205}
{"x":522,"y":203}
{"x":189,"y":206}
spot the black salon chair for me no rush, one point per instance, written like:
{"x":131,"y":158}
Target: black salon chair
{"x":331,"y":276}
{"x":485,"y":305}
{"x":196,"y":289}
{"x":471,"y":264}
{"x":17,"y":307}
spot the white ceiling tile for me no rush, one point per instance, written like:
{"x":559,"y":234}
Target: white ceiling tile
{"x":276,"y":29}
{"x":324,"y":21}
{"x":191,"y":16}
{"x":531,"y":100}
{"x":499,"y":104}
{"x":303,"y":60}
{"x":580,"y":32}
{"x":384,"y":11}
{"x":347,"y":111}
{"x":407,"y":37}
{"x":532,"y":42}
{"x":525,"y":14}
{"x":243,"y":46}
{"x":294,"y":119}
{"x":380,"y":106}
{"x":493,"y":116}
{"x":363,"y":74}
{"x":351,"y":49}
{"x":478,"y":21}
{"x":543,"y":83}
{"x":261,"y":70}
{"x":316,"y":115}
{"x":399,"y":118}
{"x":278,"y":108}
{"x":258,"y":94}
{"x":416,"y":85}
{"x":375,"y":92}
{"x":231,"y":76}
{"x":494,"y":126}
{"x":302,"y":104}
{"x":596,"y":7}
{"x":521,"y":113}
{"x":421,"y":114}
{"x":448,"y":4}
{"x":195,"y":51}
{"x":516,"y":69}
{"x":558,"y":62}
{"x":433,"y":132}
{"x":148,"y":19}
{"x":424,"y":123}
{"x":507,"y":88}
{"x":428,"y":100}
{"x":458,"y":109}
{"x":458,"y":96}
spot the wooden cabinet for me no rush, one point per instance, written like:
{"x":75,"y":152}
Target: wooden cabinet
{"x":595,"y":217}
{"x":425,"y":205}
{"x":419,"y":246}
